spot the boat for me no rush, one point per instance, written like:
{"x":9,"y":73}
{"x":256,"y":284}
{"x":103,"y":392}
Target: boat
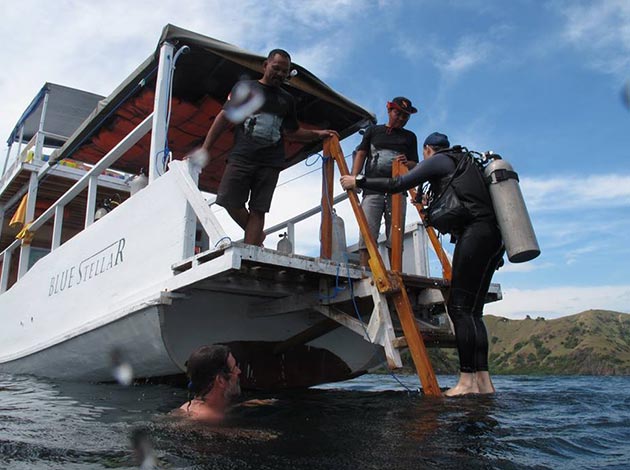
{"x":120,"y":260}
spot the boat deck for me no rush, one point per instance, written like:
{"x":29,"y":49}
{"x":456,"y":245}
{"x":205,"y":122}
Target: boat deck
{"x":14,"y":185}
{"x":280,"y":283}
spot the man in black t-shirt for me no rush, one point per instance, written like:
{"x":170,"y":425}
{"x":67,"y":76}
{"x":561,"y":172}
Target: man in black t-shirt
{"x":381,"y":145}
{"x":258,"y":156}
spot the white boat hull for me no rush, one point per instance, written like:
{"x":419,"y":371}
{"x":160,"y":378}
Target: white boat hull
{"x":112,"y":288}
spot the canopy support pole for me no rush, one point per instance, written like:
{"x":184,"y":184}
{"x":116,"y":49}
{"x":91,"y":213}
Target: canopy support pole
{"x":39,"y":141}
{"x":160,"y":113}
{"x":25,"y":249}
{"x":6,"y":160}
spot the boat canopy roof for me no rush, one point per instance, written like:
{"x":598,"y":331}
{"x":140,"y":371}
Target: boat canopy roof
{"x":66,"y":109}
{"x":202,"y":80}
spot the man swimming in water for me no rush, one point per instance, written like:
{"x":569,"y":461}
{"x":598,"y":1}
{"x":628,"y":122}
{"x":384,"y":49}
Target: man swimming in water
{"x":213,"y":383}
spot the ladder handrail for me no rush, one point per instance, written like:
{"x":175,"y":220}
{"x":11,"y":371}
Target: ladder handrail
{"x":389,"y":283}
{"x":399,"y":169}
{"x":379,"y":272}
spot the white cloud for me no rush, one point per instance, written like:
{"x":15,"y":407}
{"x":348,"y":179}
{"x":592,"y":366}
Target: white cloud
{"x":470,"y":52}
{"x":315,"y":12}
{"x":555,"y":302}
{"x":576,"y":192}
{"x":94,"y":46}
{"x":524,"y":267}
{"x":573,"y":255}
{"x":600,"y":30}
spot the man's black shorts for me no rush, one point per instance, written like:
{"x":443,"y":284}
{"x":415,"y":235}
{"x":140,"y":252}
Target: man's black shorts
{"x":242,"y":178}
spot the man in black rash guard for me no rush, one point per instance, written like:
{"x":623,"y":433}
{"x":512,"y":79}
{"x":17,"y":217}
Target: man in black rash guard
{"x":255,"y":160}
{"x":380,"y":147}
{"x":478,"y":250}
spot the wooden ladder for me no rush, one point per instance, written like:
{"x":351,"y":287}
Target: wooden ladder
{"x":388,"y":283}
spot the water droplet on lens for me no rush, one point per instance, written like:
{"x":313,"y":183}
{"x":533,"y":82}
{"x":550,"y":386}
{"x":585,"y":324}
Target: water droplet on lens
{"x":121,"y":368}
{"x":244,"y":101}
{"x":199,"y":158}
{"x":143,"y":449}
{"x":123,"y":374}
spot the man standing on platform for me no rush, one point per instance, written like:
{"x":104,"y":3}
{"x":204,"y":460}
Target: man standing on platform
{"x":258,"y":154}
{"x":381,"y":145}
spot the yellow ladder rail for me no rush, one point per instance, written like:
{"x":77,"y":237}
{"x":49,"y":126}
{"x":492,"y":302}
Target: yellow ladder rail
{"x":400,"y":169}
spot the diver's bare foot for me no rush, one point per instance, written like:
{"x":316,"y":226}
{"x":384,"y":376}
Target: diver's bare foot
{"x":458,"y":391}
{"x":466,"y":385}
{"x":484,"y":383}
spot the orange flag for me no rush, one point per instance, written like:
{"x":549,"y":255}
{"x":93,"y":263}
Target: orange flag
{"x":19,"y":218}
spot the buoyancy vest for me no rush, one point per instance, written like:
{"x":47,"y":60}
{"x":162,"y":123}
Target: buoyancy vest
{"x":469,"y":185}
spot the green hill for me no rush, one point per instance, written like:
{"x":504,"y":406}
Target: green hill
{"x":594,"y":342}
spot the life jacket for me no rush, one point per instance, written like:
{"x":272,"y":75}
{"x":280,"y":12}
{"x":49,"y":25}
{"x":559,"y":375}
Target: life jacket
{"x":469,"y":185}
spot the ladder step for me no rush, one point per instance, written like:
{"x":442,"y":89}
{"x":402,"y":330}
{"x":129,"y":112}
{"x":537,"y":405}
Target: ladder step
{"x":399,"y":342}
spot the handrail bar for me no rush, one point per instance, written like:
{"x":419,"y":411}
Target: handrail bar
{"x":9,"y":248}
{"x":304,"y":215}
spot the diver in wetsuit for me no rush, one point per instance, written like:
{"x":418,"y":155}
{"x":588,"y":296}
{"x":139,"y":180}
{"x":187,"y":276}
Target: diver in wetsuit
{"x":478,"y":250}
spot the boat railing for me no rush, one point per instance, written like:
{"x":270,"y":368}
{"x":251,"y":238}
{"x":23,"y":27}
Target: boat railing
{"x":289,"y":224}
{"x":90,"y":181}
{"x":5,"y":258}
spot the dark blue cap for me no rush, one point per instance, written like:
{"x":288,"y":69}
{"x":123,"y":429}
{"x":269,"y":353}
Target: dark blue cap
{"x":437,"y":140}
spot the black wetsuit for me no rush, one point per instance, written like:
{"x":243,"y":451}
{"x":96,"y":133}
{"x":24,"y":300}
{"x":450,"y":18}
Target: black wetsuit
{"x":478,"y":250}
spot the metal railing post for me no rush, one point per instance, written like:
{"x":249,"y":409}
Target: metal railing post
{"x":25,"y":249}
{"x":160,"y":112}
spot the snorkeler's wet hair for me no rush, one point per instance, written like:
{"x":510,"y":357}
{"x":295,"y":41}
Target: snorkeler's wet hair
{"x":203,"y":365}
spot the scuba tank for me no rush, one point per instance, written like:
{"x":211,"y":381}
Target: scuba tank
{"x":284,"y":245}
{"x":512,"y":217}
{"x":339,"y":247}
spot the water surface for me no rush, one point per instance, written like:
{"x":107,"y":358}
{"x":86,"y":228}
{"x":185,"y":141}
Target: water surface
{"x":370,"y":423}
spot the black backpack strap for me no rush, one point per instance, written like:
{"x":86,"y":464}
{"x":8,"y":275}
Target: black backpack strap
{"x":459,"y":163}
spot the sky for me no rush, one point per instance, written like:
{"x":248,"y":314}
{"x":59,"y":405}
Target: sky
{"x":543,"y":83}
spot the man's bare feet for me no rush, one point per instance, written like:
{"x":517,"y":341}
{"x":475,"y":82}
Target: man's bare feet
{"x":484,"y":382}
{"x":465,"y":386}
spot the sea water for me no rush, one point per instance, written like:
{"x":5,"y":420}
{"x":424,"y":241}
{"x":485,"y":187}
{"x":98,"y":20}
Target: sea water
{"x":372,"y":422}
